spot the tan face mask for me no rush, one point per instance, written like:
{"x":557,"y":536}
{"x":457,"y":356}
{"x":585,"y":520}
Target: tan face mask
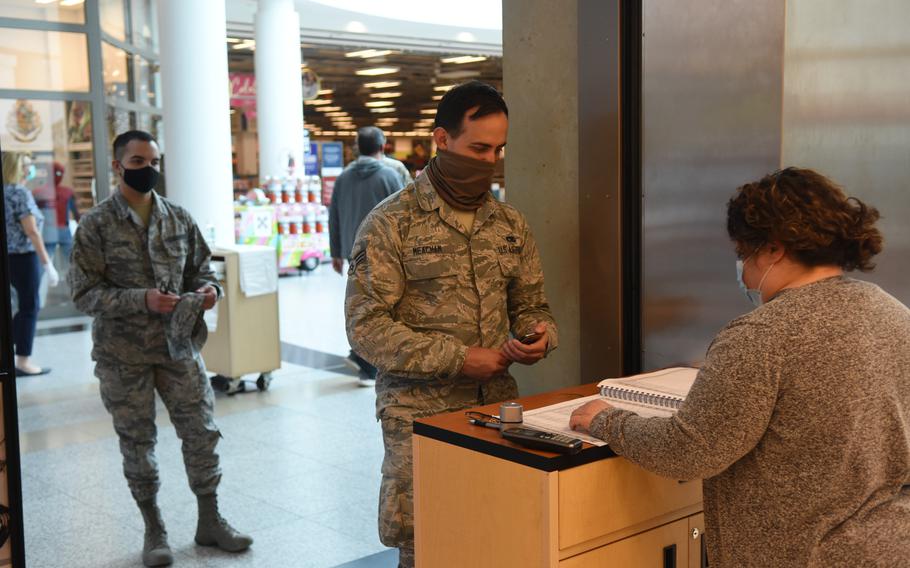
{"x":460,"y":181}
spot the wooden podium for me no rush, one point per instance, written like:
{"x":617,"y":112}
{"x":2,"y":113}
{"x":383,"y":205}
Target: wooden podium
{"x":480,"y":500}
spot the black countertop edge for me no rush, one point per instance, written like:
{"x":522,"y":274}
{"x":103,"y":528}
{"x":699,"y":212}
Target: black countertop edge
{"x":530,"y":459}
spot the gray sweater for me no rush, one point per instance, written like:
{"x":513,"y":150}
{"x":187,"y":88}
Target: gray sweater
{"x":359,"y":188}
{"x":799,"y":424}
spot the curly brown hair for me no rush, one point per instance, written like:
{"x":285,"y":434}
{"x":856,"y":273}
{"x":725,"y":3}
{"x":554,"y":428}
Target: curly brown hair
{"x":809,"y":215}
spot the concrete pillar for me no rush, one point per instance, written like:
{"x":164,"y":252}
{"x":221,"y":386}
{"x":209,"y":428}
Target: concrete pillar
{"x":279,"y":97}
{"x":196,"y":108}
{"x":561,"y":82}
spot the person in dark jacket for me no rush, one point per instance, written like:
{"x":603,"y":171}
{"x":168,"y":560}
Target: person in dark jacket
{"x":358,"y":189}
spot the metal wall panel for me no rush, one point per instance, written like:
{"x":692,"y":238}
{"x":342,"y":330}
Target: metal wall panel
{"x":711,"y":120}
{"x":846,"y":111}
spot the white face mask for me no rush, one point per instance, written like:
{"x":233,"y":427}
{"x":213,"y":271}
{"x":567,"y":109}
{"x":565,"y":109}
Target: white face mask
{"x":753,"y":294}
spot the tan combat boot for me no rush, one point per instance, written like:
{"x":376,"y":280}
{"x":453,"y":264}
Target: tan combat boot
{"x":155,"y":550}
{"x":213,"y":530}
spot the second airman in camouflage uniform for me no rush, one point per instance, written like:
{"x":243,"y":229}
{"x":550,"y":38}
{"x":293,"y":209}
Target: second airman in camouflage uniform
{"x":423,"y":292}
{"x":142,"y":271}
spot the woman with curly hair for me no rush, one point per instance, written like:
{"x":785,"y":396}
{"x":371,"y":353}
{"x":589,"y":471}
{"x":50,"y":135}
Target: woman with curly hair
{"x":799,"y":420}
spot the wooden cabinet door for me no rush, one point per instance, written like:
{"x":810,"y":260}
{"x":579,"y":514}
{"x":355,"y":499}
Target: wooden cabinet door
{"x":664,"y":547}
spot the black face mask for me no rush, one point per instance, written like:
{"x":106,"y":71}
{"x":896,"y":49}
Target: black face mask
{"x":142,"y":180}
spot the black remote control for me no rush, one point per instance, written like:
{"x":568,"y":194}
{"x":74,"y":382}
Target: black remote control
{"x":540,"y":440}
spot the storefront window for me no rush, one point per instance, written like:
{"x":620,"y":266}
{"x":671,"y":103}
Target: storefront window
{"x":116,"y":73}
{"x":144,"y":24}
{"x":44,"y":11}
{"x":43,"y":61}
{"x":58,"y":136}
{"x":113,"y":18}
{"x":148,"y":81}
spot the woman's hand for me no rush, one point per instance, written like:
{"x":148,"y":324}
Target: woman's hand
{"x":584,"y":414}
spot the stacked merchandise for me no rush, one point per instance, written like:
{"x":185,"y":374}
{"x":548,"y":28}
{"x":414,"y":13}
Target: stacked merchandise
{"x":287,"y":214}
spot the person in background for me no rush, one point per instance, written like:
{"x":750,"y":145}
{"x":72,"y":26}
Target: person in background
{"x":27,"y":255}
{"x":65,"y":206}
{"x":140,"y":268}
{"x":799,"y":420}
{"x":399,"y":167}
{"x":359,"y":188}
{"x":441,"y":274}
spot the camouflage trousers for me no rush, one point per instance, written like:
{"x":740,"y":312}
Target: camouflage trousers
{"x":396,"y":493}
{"x":128,"y":393}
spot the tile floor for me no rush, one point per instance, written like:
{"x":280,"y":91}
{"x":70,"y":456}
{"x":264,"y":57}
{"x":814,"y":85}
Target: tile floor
{"x":301,"y":461}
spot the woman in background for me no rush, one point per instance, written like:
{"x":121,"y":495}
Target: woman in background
{"x":27,"y":254}
{"x":799,"y":420}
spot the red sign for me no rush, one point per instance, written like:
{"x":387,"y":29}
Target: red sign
{"x":243,"y":93}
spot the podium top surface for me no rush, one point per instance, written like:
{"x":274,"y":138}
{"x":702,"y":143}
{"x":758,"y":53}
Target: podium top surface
{"x":453,"y":428}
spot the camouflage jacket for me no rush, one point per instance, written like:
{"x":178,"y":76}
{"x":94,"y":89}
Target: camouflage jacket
{"x":422,"y":289}
{"x":115,"y":260}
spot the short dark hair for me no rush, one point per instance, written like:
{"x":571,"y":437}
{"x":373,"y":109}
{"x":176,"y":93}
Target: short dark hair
{"x":809,"y":215}
{"x":370,"y":141}
{"x":125,"y":138}
{"x":450,"y":113}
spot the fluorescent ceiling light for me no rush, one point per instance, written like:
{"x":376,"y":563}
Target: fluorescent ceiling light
{"x":383,"y":109}
{"x":465,"y":36}
{"x":71,"y":2}
{"x":229,"y":40}
{"x":342,"y":113}
{"x":377,"y":71}
{"x":386,"y":95}
{"x":461,"y":59}
{"x":386,"y":120}
{"x":355,"y":27}
{"x":443,"y":87}
{"x":327,"y":109}
{"x":325,"y":92}
{"x":428,"y":111}
{"x":379,"y":103}
{"x":318,"y":102}
{"x":382,"y":84}
{"x":44,"y":1}
{"x":369,"y":53}
{"x":437,"y":97}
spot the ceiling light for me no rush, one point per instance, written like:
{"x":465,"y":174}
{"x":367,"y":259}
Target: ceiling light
{"x":355,"y":27}
{"x":464,"y":59}
{"x":465,"y":36}
{"x":379,"y":103}
{"x":44,"y":1}
{"x":337,"y":113}
{"x":229,"y":40}
{"x":397,"y":133}
{"x":318,"y":102}
{"x":325,"y":92}
{"x":443,"y":87}
{"x":377,"y":71}
{"x":369,"y":53}
{"x":428,"y":111}
{"x":71,"y":2}
{"x":327,"y":109}
{"x":382,"y":84}
{"x":245,"y":44}
{"x":437,"y":97}
{"x":383,"y":109}
{"x":386,"y":95}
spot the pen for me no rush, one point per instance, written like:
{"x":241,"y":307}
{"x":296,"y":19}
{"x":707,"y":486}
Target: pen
{"x":477,"y":422}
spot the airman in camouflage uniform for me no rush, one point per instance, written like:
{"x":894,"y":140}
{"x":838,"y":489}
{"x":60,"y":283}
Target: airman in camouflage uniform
{"x":422,"y":289}
{"x":117,"y":260}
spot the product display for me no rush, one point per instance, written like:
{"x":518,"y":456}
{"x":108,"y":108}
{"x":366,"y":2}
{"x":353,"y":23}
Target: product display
{"x":287,"y":214}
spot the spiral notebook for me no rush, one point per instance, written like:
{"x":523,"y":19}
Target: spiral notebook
{"x":659,"y":393}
